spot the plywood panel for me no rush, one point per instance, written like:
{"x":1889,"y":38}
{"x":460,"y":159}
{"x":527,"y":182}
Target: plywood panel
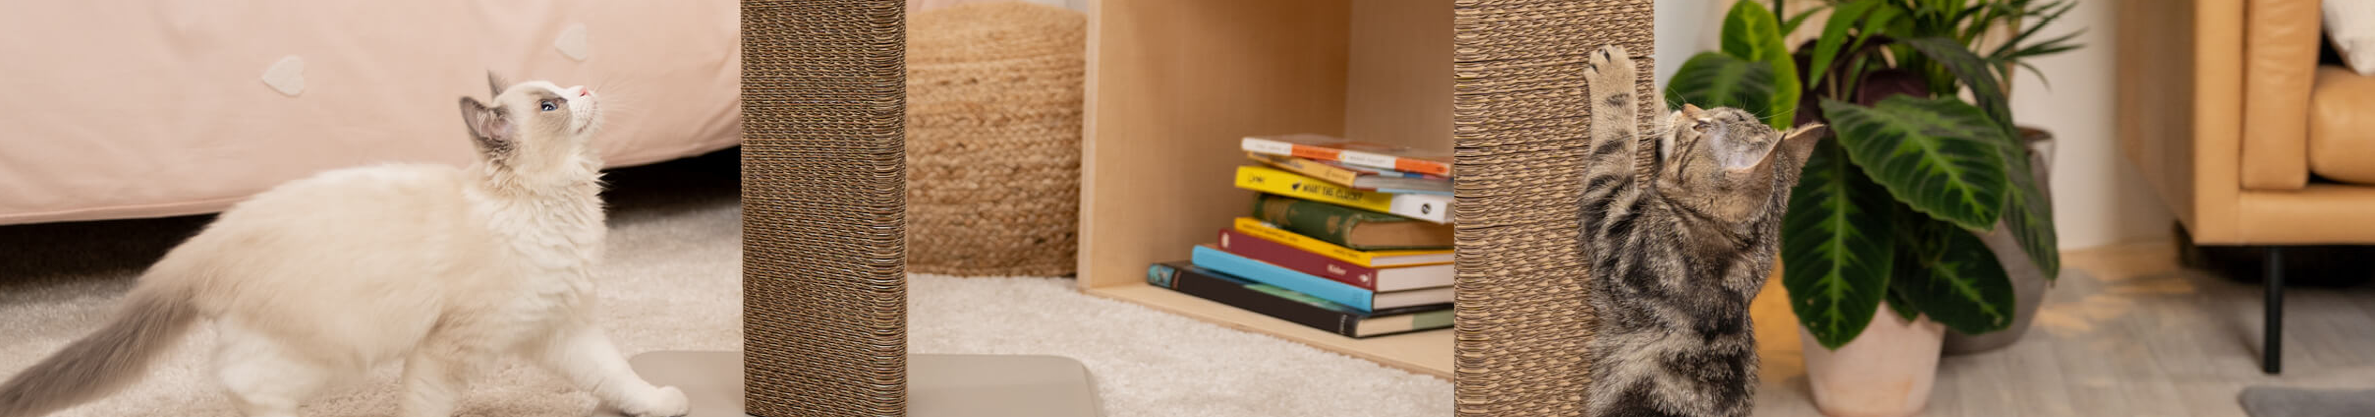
{"x":1174,"y":86}
{"x":1398,"y":80}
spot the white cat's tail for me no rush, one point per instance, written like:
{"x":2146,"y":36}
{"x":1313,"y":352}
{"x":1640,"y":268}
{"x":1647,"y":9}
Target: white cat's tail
{"x":152,"y":318}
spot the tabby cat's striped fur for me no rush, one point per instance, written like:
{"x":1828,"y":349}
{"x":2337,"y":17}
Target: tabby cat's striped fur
{"x":1677,"y":248}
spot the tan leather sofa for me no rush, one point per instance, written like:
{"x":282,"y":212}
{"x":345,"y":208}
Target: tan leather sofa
{"x":2224,"y":108}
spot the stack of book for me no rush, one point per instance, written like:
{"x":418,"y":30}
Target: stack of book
{"x":1347,"y":237}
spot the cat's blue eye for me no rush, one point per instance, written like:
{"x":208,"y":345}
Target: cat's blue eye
{"x":548,"y":106}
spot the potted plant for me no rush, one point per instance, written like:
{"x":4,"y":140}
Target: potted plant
{"x":1927,"y":199}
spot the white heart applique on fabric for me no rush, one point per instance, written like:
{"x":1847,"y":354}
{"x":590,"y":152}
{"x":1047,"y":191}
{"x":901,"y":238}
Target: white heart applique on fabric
{"x":572,"y":42}
{"x":286,"y":76}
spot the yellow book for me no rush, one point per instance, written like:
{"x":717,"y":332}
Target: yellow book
{"x":1372,"y":259}
{"x":1429,"y":207}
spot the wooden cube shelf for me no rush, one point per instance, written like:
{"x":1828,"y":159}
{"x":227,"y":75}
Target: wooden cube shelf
{"x":1173,"y":86}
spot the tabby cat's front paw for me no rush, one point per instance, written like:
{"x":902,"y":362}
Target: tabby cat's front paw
{"x":1609,"y":66}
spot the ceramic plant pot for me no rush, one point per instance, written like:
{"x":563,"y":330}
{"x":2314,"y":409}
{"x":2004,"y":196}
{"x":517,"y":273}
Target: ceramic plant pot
{"x":1887,"y":371}
{"x":2028,"y":282}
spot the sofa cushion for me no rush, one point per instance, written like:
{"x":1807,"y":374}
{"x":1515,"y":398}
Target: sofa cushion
{"x":2341,"y":137}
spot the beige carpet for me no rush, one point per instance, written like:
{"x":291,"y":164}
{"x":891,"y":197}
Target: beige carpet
{"x":673,"y":283}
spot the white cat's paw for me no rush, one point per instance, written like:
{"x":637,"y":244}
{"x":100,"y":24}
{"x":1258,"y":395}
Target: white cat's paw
{"x":667,"y":402}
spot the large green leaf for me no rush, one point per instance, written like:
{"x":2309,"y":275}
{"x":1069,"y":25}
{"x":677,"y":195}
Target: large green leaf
{"x":2028,"y":214}
{"x":1940,"y":156}
{"x":1897,"y":303}
{"x":1908,"y":234}
{"x":1954,"y":279}
{"x":1835,"y":247}
{"x":2026,"y":210}
{"x":1868,"y":19}
{"x":1713,"y":79}
{"x":1975,"y":74}
{"x":1834,"y":34}
{"x":1750,"y":32}
{"x":1753,"y":33}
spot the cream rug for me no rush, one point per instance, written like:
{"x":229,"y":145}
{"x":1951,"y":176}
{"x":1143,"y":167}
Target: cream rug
{"x":673,"y":283}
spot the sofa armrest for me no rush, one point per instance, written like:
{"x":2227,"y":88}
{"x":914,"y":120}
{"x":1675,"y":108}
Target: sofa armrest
{"x":2280,"y":65}
{"x":2180,"y":110}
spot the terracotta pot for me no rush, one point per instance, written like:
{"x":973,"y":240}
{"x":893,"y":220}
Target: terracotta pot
{"x":2028,"y":282}
{"x":1887,"y":371}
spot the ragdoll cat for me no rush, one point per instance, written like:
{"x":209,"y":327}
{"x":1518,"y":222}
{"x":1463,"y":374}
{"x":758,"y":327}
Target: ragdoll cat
{"x":323,"y":278}
{"x":1675,"y":259}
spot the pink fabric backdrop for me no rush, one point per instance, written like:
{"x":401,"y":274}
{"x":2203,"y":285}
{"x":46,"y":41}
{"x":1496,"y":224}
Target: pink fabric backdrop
{"x":142,"y":108}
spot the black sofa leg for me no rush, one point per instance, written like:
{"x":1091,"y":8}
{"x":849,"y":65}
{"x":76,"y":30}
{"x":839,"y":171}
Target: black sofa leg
{"x":2272,"y":348}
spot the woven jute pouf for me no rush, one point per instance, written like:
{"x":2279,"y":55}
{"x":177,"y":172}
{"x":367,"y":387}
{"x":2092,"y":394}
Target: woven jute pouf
{"x":993,"y":136}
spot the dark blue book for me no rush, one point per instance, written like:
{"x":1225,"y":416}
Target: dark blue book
{"x":1303,"y":309}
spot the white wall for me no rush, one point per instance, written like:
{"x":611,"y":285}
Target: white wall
{"x":2099,"y":198}
{"x":1684,"y":28}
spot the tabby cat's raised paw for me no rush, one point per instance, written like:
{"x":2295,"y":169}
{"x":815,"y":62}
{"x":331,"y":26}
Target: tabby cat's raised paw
{"x":1609,"y":66}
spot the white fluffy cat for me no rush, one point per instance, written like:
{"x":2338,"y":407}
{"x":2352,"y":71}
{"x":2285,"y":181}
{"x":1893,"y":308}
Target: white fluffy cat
{"x":324,"y":278}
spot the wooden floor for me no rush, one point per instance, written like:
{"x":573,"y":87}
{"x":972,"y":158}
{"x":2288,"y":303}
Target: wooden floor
{"x":2125,"y":332}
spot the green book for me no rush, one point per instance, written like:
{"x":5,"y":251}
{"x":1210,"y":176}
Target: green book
{"x":1353,"y":228}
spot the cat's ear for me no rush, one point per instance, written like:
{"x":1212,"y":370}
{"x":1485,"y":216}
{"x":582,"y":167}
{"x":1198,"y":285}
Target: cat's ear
{"x":1798,"y":142}
{"x":495,"y":84}
{"x":488,"y":126}
{"x":1693,"y":112}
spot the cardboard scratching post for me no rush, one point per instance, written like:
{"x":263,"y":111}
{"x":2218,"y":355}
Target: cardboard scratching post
{"x":1519,"y":121}
{"x":824,"y":242}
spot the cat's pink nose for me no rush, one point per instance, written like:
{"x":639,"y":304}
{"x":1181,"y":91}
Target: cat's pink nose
{"x":582,"y":92}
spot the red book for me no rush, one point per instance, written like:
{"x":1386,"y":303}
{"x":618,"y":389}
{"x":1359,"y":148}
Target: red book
{"x":1373,"y":279}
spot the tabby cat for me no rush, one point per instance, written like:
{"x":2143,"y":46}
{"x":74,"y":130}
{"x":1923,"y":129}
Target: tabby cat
{"x":1678,"y":245}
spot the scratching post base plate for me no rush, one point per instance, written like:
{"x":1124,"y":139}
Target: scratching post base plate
{"x":937,"y":385}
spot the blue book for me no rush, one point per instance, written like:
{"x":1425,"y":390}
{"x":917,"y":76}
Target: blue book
{"x":1224,"y":262}
{"x":1209,"y":257}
